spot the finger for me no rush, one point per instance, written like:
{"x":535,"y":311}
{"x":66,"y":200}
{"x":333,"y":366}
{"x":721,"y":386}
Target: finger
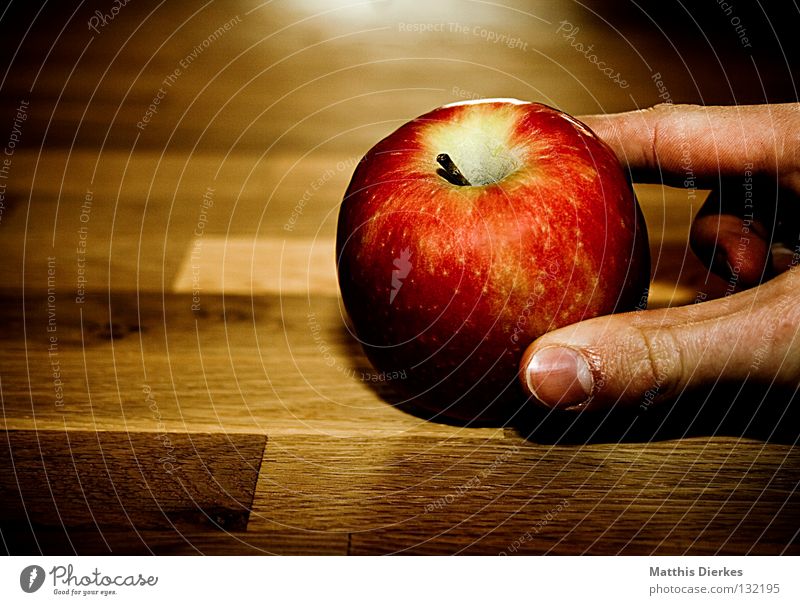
{"x":672,"y":143}
{"x":740,"y":257}
{"x":638,"y":358}
{"x":747,"y":231}
{"x":731,"y":238}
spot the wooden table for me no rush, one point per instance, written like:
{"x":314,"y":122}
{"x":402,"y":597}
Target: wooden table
{"x":175,"y":371}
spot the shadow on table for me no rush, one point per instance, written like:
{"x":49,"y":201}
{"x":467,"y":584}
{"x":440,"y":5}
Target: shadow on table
{"x":748,"y":412}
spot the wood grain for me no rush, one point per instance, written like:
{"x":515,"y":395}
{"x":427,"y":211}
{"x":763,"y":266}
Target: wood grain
{"x":708,"y":475}
{"x":171,"y":541}
{"x":238,"y":365}
{"x":423,"y":495}
{"x":142,"y":481}
{"x":260,"y":266}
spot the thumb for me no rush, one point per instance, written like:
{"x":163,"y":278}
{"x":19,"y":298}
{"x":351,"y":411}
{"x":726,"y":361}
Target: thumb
{"x":634,"y":359}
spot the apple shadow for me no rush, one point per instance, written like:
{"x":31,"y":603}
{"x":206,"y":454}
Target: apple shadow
{"x":392,"y":392}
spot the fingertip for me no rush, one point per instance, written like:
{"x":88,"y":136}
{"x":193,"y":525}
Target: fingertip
{"x":607,"y":127}
{"x":783,"y":258}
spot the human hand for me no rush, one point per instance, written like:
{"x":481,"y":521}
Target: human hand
{"x":635,"y":359}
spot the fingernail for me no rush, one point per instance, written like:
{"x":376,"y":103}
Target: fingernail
{"x":559,"y":377}
{"x":782,"y":258}
{"x":720,"y":263}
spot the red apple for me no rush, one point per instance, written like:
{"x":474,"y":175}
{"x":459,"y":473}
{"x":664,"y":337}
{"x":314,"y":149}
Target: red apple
{"x":471,"y":231}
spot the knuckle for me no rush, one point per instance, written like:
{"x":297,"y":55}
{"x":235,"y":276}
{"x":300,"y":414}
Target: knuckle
{"x":669,"y":131}
{"x":662,"y":367}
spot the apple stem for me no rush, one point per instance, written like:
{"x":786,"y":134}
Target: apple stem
{"x":451,"y":171}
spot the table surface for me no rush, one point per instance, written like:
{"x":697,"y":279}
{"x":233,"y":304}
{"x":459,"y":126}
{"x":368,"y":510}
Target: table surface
{"x":176,"y":375}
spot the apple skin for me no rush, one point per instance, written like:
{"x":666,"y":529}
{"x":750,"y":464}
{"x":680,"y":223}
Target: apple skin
{"x":447,"y":284}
